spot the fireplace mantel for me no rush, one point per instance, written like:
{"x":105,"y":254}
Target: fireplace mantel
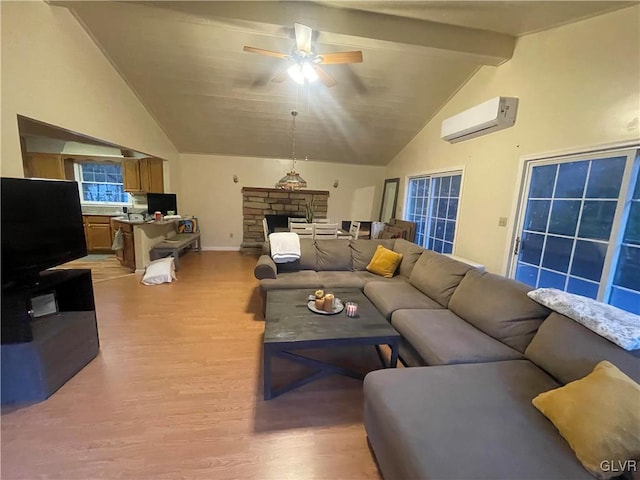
{"x":281,"y":190}
{"x":258,"y":202}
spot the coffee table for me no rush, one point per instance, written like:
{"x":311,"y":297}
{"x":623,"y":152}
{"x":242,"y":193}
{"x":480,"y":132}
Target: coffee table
{"x":290,"y":325}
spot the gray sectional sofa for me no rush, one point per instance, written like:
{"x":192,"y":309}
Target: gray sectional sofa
{"x":482,"y":351}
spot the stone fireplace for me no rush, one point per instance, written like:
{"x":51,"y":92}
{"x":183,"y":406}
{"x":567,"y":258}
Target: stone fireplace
{"x":258,"y":202}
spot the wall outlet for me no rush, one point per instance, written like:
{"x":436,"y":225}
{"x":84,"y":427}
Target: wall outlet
{"x":231,"y":235}
{"x":502,"y":221}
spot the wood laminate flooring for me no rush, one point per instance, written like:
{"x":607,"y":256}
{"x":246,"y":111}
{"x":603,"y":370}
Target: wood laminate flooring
{"x":176,"y":392}
{"x":103,"y":267}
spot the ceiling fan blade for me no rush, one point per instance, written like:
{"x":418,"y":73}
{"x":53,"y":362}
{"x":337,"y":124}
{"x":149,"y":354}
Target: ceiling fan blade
{"x":281,"y":77}
{"x":303,"y":37}
{"x":261,"y":51}
{"x":340,"y":57}
{"x":324,"y":77}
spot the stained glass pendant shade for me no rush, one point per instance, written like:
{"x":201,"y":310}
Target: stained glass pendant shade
{"x":292,"y":180}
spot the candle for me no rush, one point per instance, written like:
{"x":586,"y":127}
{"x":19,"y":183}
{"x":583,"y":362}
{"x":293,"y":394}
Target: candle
{"x":351,"y":309}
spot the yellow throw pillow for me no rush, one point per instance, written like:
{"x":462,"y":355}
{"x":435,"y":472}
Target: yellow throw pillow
{"x":384,"y":262}
{"x":599,"y":415}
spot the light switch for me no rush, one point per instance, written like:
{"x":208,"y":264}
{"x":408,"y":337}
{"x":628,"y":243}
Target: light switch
{"x":502,"y":221}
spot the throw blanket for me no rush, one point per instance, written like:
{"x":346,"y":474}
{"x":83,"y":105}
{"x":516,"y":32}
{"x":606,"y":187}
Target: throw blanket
{"x":285,"y":247}
{"x":618,"y":326}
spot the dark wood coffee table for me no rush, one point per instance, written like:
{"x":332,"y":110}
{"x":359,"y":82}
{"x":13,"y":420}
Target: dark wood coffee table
{"x":290,"y":325}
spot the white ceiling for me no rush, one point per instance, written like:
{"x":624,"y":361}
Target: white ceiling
{"x":185,"y":62}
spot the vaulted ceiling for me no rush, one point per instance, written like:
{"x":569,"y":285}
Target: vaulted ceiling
{"x":185,"y":62}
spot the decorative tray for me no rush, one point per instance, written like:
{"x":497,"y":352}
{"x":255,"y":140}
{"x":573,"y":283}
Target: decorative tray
{"x":338,"y":306}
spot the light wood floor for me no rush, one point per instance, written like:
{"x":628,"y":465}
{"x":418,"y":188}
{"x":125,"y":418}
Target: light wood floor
{"x":176,"y":393}
{"x":102,"y":270}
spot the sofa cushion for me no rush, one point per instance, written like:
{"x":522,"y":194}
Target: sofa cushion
{"x":333,"y":255}
{"x":499,"y":307}
{"x":442,"y":338}
{"x":341,"y":280}
{"x":390,"y":296}
{"x":302,"y":279}
{"x":437,"y":276}
{"x":599,"y":416}
{"x":372,"y":277}
{"x":362,"y":251}
{"x":569,"y":351}
{"x":384,"y":262}
{"x":465,"y":421}
{"x":308,"y":258}
{"x":410,"y":255}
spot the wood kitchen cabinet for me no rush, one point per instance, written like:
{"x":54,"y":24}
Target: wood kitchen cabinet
{"x":48,"y":165}
{"x":97,"y":230}
{"x":151,"y":175}
{"x":127,"y":255}
{"x":131,"y":175}
{"x":144,"y":175}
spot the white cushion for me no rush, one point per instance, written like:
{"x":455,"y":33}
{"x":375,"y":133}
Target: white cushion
{"x":619,"y":326}
{"x":160,"y":271}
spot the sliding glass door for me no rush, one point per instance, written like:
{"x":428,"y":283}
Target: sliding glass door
{"x":579,"y":230}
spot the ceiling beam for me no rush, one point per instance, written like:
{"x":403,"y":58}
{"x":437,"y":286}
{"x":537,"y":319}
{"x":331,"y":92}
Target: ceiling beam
{"x":356,"y":28}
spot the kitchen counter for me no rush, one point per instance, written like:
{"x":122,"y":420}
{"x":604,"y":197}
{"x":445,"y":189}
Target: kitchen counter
{"x":125,"y":219}
{"x":139,"y":238}
{"x":102,"y":212}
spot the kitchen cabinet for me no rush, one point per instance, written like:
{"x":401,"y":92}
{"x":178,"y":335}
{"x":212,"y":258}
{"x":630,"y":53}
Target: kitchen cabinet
{"x":131,"y":175}
{"x":97,"y":230}
{"x":48,"y":165}
{"x":144,"y":175}
{"x":152,"y":175}
{"x":127,"y":255}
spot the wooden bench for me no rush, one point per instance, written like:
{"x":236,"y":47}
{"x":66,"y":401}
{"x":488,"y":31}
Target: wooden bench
{"x":174,"y":245}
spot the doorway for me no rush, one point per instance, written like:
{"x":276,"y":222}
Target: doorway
{"x":578,"y":228}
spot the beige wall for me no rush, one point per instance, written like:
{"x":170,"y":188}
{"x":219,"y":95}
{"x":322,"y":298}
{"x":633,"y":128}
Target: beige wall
{"x":578,"y":85}
{"x":207,"y":191}
{"x":53,"y":72}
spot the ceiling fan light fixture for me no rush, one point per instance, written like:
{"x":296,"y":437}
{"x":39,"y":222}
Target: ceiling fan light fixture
{"x":309,"y":72}
{"x":295,"y":72}
{"x":301,"y":72}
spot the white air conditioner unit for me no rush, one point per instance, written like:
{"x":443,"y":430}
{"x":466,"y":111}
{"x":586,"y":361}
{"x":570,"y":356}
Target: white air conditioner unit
{"x":492,"y":115}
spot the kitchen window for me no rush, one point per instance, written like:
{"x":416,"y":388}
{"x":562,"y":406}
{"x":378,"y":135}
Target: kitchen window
{"x":432,"y":203}
{"x":101,"y":183}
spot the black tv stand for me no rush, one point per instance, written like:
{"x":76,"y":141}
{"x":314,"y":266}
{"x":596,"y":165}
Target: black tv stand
{"x":41,"y":351}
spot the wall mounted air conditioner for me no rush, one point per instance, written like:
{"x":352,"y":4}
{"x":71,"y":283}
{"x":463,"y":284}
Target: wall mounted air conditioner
{"x":490,"y":116}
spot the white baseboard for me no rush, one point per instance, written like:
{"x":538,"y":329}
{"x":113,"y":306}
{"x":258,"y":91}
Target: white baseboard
{"x":221,"y":249}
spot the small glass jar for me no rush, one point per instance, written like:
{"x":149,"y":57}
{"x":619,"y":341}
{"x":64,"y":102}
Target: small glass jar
{"x":351,"y":309}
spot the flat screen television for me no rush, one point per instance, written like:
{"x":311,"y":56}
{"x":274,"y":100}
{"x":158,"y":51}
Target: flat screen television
{"x":162,"y":202}
{"x":41,"y":227}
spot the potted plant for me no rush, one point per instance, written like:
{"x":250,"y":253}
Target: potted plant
{"x":310,"y":209}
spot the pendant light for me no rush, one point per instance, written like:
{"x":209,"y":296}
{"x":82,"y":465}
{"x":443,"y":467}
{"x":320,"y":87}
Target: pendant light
{"x":292,"y":180}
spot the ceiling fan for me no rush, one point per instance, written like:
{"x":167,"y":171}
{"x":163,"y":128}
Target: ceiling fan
{"x":306,"y":61}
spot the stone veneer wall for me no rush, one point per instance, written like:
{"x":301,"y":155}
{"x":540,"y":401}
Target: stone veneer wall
{"x":258,"y":202}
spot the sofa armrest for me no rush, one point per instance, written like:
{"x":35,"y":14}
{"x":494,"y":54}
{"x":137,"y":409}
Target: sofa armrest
{"x":265,"y":268}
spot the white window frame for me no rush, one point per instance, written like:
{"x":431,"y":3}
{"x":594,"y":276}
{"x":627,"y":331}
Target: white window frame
{"x":630,"y":150}
{"x":431,"y":174}
{"x":77,"y":167}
